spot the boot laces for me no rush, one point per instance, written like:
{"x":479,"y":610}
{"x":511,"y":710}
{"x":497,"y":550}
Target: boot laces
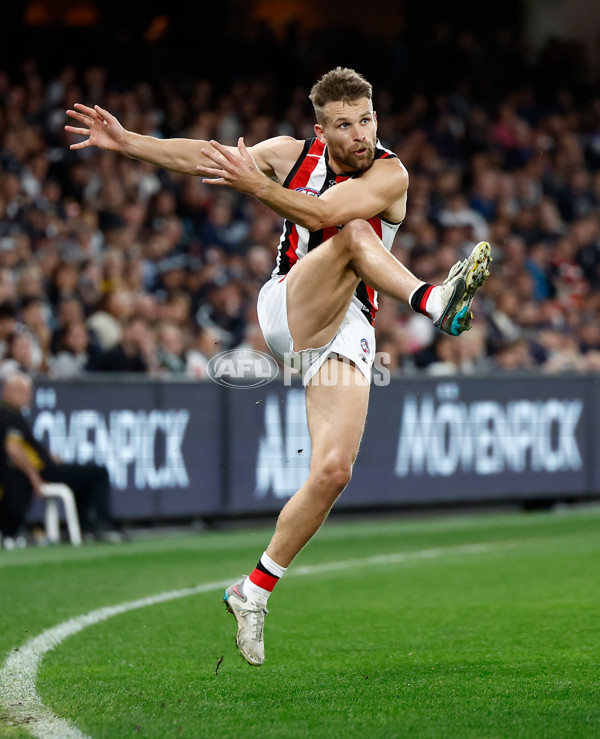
{"x":256,"y":616}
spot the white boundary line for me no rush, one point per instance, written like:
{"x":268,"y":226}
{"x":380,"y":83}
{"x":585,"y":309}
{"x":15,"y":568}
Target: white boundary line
{"x":18,"y":695}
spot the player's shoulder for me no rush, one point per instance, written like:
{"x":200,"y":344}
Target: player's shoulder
{"x":277,"y":155}
{"x":280,"y":145}
{"x":392,"y":169}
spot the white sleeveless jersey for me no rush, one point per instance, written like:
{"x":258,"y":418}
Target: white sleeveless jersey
{"x":311,"y":174}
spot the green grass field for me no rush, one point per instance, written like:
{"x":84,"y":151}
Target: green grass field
{"x":479,"y":626}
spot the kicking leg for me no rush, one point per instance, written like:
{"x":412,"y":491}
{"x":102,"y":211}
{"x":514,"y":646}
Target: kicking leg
{"x":321,"y":285}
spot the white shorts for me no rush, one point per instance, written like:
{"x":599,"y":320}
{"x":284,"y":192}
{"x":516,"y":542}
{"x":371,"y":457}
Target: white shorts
{"x":354,"y":340}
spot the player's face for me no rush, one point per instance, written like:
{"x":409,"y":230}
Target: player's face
{"x":350,"y":132}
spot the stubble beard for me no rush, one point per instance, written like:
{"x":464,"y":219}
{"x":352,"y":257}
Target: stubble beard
{"x":359,"y":163}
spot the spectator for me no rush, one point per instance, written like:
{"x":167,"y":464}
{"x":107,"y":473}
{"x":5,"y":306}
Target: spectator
{"x":67,"y":311}
{"x":63,"y":282}
{"x":206,"y":344}
{"x":19,"y":354}
{"x":77,"y":352}
{"x":8,"y":325}
{"x":170,"y":355}
{"x":513,"y":355}
{"x":30,"y":283}
{"x":223,"y":310}
{"x":27,"y":465}
{"x":135,"y":352}
{"x":177,"y":308}
{"x":35,"y":317}
{"x":106,"y":322}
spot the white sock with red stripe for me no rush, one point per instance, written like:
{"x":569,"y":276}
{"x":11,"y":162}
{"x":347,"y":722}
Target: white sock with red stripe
{"x":261,"y":581}
{"x":426,"y":299}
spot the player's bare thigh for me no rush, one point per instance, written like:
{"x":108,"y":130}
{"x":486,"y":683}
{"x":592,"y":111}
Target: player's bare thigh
{"x":337,"y":400}
{"x":319,"y":290}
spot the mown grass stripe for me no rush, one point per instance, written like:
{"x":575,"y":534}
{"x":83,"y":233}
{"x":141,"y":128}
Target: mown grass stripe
{"x":335,"y":529}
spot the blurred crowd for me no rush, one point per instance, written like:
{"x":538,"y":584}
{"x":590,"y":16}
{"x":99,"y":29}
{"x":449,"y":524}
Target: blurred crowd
{"x":109,"y":265}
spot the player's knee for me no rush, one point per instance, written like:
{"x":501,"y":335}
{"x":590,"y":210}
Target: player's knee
{"x":357,"y":229}
{"x":335,"y":472}
{"x":355,"y":233}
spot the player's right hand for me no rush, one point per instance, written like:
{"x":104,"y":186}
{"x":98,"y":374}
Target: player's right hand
{"x":103,"y":129}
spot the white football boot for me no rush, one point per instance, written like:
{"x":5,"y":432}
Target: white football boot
{"x":250,"y":621}
{"x":459,"y":288}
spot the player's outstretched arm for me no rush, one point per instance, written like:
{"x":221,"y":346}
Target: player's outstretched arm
{"x":102,"y":129}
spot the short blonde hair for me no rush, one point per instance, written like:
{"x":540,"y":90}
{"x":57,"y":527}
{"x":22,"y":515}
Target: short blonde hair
{"x":339,"y":85}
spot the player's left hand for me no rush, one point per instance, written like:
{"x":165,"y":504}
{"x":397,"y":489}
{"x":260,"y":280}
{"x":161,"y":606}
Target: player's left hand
{"x":238,"y":171}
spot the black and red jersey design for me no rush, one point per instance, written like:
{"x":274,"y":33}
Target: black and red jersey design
{"x":312,"y":175}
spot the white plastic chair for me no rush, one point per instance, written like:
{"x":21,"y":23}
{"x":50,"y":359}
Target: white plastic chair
{"x":53,"y":492}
